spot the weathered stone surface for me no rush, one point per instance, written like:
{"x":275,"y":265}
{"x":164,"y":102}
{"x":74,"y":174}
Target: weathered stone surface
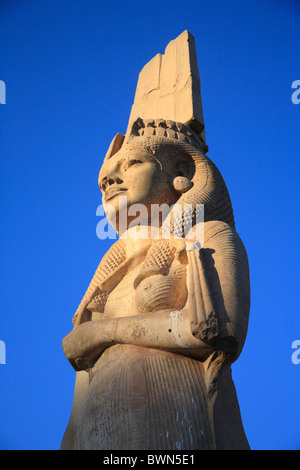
{"x":163,"y":317}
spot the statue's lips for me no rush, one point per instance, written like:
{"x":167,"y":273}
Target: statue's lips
{"x":110,"y":193}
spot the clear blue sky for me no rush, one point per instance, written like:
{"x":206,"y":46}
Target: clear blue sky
{"x":70,"y":70}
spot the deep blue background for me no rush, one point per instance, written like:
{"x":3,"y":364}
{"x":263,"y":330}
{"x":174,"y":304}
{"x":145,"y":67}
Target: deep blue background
{"x":71,"y":70}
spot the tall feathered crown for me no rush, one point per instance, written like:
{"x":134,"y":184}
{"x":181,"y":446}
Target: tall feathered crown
{"x":168,"y":98}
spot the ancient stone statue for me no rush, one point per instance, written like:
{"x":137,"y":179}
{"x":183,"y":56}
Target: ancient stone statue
{"x":163,"y":318}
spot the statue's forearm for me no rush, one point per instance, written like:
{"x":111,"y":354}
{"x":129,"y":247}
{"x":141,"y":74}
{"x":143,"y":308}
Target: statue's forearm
{"x":166,"y":330}
{"x":170,"y":331}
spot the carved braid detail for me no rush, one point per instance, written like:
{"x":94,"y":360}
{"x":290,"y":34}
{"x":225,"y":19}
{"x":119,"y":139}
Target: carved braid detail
{"x":158,"y":260}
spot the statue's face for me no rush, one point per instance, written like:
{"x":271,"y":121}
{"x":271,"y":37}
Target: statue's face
{"x":134,"y":177}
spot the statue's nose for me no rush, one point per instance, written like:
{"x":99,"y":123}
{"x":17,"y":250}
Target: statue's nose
{"x":109,"y":181}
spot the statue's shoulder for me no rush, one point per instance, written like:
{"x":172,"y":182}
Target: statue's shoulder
{"x":223,"y":238}
{"x":213,"y":228}
{"x":218,"y":230}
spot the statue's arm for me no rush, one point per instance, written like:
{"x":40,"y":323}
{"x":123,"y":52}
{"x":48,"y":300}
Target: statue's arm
{"x":215,"y":315}
{"x":165,"y":330}
{"x":220,"y":311}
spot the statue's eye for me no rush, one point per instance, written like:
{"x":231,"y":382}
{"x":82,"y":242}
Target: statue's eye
{"x":131,"y":162}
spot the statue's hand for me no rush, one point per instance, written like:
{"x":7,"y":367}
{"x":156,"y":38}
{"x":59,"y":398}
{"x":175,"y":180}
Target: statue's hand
{"x":87,"y":342}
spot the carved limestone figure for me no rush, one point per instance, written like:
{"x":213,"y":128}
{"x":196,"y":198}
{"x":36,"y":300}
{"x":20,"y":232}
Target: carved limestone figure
{"x":163,"y":319}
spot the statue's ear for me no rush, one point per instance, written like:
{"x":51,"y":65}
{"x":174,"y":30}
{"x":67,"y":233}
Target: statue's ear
{"x":183,"y":173}
{"x":181,"y":184}
{"x":115,"y":145}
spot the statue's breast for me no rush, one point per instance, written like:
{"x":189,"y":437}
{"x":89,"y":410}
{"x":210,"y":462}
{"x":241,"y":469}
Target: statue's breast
{"x":163,"y":291}
{"x":155,"y":292}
